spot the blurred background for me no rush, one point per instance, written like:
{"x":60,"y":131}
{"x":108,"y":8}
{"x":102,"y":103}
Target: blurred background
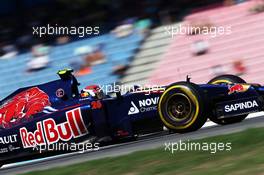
{"x":132,"y":46}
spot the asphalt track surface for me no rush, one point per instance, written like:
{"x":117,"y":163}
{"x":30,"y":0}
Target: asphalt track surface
{"x":150,"y":142}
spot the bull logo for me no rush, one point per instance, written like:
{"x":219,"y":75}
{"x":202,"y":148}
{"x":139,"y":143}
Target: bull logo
{"x":23,"y":106}
{"x":238,"y":88}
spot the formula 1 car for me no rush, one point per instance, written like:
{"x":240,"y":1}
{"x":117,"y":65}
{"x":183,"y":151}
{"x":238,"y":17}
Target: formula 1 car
{"x":56,"y":112}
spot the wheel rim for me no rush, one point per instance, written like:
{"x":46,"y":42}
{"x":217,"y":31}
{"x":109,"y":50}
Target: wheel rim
{"x":179,"y":108}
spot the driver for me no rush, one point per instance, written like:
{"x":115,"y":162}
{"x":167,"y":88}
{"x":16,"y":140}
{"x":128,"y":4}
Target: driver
{"x":93,"y":91}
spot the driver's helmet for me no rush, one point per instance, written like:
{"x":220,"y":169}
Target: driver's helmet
{"x":92,"y":91}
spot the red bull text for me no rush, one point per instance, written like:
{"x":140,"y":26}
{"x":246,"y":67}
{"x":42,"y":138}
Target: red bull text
{"x":48,"y":132}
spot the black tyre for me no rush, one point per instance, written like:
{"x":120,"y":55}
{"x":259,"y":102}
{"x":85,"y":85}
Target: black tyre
{"x":182,"y":107}
{"x":227,"y":79}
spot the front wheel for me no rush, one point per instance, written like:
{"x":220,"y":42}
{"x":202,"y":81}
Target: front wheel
{"x":181,"y":107}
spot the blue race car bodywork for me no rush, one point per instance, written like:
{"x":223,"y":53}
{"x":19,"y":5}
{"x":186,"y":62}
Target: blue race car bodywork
{"x":55,"y":112}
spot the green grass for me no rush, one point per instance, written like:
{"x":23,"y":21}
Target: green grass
{"x":246,"y":157}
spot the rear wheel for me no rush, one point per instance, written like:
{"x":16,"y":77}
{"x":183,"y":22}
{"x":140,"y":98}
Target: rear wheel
{"x":227,"y":79}
{"x":181,"y":107}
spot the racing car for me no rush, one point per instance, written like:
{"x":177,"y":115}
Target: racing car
{"x":57,"y":112}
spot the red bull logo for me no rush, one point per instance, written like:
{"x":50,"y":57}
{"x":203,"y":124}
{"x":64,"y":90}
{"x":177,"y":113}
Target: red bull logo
{"x":238,"y":88}
{"x":48,"y":132}
{"x":23,"y":106}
